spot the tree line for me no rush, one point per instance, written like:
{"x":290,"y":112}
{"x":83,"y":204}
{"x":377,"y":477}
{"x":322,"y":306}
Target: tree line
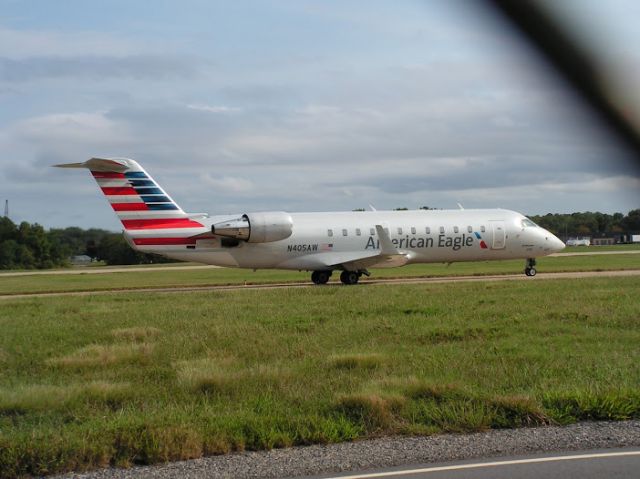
{"x":30,"y":246}
{"x":590,"y":223}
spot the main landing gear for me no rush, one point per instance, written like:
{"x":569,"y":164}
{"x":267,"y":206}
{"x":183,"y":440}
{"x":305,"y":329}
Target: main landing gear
{"x":347,"y":277}
{"x":530,"y":267}
{"x":352,"y":277}
{"x":320,"y":277}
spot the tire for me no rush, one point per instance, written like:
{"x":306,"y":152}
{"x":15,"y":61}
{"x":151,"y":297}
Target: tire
{"x":323,"y":276}
{"x":315,"y":277}
{"x":349,"y":277}
{"x":532,"y":271}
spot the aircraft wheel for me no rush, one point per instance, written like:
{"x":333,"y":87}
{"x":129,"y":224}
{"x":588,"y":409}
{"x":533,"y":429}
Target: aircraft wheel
{"x":323,"y":277}
{"x":320,"y":277}
{"x":349,"y":277}
{"x":532,"y":271}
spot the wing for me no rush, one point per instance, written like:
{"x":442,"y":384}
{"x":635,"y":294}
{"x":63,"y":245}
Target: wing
{"x":387,"y":256}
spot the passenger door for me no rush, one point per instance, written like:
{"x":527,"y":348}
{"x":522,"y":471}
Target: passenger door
{"x":499,"y":235}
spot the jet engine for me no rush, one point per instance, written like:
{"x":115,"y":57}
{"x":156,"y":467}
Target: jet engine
{"x":256,"y":227}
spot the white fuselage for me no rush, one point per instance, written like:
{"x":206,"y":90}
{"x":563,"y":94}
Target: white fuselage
{"x":320,"y":240}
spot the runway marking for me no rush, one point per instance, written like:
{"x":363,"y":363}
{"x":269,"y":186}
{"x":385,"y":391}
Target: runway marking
{"x":425,"y":470}
{"x":335,"y":284}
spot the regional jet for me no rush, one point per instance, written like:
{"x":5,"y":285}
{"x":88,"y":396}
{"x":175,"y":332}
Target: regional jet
{"x":349,"y":242}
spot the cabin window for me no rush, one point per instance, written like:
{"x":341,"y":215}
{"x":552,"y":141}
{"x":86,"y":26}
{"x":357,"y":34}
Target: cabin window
{"x":455,"y":229}
{"x":469,"y":229}
{"x":428,"y":230}
{"x":358,"y":232}
{"x":329,"y":232}
{"x":344,"y":232}
{"x":413,"y":230}
{"x":399,"y":231}
{"x":372,"y":231}
{"x":442,"y":230}
{"x":482,"y":229}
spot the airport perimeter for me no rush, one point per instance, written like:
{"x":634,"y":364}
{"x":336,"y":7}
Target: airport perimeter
{"x":145,"y":377}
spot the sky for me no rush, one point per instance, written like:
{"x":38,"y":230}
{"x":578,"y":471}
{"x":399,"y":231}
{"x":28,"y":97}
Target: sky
{"x":302,"y":106}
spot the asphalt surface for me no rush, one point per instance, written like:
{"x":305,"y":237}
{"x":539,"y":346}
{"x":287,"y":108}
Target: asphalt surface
{"x":373,"y":456}
{"x":366,"y":282}
{"x":178,"y":267}
{"x":623,"y":463}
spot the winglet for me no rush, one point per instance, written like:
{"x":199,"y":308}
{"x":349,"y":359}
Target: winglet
{"x":386,"y":246}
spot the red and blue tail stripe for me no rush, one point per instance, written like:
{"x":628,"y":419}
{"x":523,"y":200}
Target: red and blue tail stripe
{"x":148,"y":214}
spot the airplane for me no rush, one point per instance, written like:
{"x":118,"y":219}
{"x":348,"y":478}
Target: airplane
{"x":350,"y":242}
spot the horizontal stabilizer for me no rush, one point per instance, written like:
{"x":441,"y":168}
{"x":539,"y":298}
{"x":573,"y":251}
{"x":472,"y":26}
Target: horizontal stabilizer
{"x":99,"y":164}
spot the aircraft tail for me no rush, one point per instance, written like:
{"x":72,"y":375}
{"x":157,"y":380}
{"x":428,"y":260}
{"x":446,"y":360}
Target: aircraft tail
{"x":148,"y":214}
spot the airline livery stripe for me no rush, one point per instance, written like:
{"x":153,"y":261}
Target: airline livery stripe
{"x":110,"y":182}
{"x":136,"y":174}
{"x":109,"y":191}
{"x":107,"y":174}
{"x":155,"y":199}
{"x":161,"y":206}
{"x":159,"y":223}
{"x":163,"y":241}
{"x":123,"y":199}
{"x":149,"y":191}
{"x":129,"y":206}
{"x":164,"y":214}
{"x":142,"y":183}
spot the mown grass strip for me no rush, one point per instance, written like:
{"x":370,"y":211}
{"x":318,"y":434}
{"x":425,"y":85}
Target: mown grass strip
{"x":136,"y":379}
{"x":227,"y":276}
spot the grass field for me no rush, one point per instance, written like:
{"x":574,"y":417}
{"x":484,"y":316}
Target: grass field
{"x":200,"y":277}
{"x":127,"y":379}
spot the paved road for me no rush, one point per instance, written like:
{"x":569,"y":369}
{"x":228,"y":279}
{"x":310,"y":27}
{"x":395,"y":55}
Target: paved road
{"x":367,"y":282}
{"x":134,"y":269}
{"x":353,"y":459}
{"x":622,"y":463}
{"x":596,"y":253}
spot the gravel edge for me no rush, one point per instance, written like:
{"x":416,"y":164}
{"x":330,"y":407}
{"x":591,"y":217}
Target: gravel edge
{"x":387,"y":452}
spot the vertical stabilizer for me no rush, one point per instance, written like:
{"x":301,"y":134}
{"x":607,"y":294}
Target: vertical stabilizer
{"x":144,"y":208}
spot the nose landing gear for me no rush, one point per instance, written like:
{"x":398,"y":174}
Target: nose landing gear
{"x":530,"y":267}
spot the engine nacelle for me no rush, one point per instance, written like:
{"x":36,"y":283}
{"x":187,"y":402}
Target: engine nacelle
{"x":257,"y":227}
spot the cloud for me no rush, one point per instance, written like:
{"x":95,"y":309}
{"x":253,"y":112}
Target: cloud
{"x":339,"y":109}
{"x":17,"y":44}
{"x":214,"y":108}
{"x":228,"y":184}
{"x":136,"y":67}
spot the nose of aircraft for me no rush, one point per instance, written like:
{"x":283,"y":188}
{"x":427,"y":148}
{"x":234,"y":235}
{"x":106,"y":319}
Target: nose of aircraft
{"x":555,"y":243}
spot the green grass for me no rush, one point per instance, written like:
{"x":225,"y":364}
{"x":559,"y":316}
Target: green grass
{"x":136,"y":379}
{"x":203,"y":277}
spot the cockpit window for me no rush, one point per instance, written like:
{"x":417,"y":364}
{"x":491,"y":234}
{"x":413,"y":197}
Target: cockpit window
{"x":527,"y":223}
